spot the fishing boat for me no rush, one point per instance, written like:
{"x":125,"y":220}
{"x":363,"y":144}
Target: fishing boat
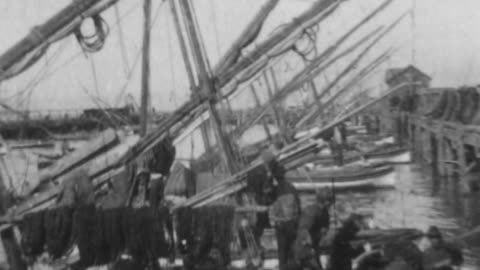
{"x":388,"y":155}
{"x":354,"y":176}
{"x":116,"y":163}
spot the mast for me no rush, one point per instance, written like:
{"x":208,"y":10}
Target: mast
{"x":188,"y":66}
{"x":147,"y":6}
{"x":206,"y":80}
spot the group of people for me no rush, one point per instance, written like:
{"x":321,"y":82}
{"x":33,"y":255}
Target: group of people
{"x":299,"y":231}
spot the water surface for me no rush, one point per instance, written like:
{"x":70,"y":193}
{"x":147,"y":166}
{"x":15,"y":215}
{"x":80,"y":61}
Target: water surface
{"x":419,"y":201}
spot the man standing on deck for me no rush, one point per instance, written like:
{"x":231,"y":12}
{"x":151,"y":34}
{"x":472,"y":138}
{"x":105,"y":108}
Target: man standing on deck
{"x":283,"y":213}
{"x":440,"y":254}
{"x":343,"y":252}
{"x":313,"y":224}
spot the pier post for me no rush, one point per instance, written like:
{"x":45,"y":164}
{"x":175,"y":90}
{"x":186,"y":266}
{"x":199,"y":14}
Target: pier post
{"x":415,"y":144}
{"x":441,"y":156}
{"x":434,"y":155}
{"x":452,"y":156}
{"x":420,"y":145}
{"x":461,"y":153}
{"x":412,"y":137}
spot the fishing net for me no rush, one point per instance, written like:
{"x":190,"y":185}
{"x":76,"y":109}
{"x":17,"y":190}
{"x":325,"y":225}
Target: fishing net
{"x":33,"y":233}
{"x":100,"y":235}
{"x":184,"y":228}
{"x":211,"y":231}
{"x":113,"y":232}
{"x":58,"y":230}
{"x":394,"y":101}
{"x":145,"y":236}
{"x":99,"y":243}
{"x":83,"y":231}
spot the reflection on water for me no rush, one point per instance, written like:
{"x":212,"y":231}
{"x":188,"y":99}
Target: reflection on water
{"x":420,"y":201}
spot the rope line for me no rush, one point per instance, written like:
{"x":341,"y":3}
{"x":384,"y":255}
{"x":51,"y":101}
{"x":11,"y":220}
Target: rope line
{"x":214,"y":18}
{"x":136,"y":60}
{"x":414,"y":5}
{"x":172,"y":69}
{"x":123,"y":49}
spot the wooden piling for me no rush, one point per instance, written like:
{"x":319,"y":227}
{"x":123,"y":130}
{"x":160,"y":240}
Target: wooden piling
{"x":434,"y":155}
{"x":441,"y":156}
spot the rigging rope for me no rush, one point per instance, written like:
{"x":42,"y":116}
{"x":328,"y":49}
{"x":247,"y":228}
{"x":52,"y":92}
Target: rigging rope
{"x":172,"y":69}
{"x":200,"y":37}
{"x":414,"y":5}
{"x":94,"y":73}
{"x":311,"y":36}
{"x":42,"y":76}
{"x":214,"y":18}
{"x":137,"y":58}
{"x":95,"y":42}
{"x":123,"y":49}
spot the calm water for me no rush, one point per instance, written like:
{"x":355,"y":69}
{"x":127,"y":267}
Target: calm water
{"x":419,"y":201}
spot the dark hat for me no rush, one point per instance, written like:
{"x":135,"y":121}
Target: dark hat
{"x":433,"y":232}
{"x":278,"y":170}
{"x":324,"y":195}
{"x":268,"y":157}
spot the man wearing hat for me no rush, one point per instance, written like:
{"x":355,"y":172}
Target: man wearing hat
{"x":343,"y":252}
{"x":283,"y":212}
{"x":314,"y":222}
{"x":440,"y":254}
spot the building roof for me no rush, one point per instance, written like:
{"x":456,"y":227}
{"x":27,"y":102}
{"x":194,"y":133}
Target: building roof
{"x":397,"y":72}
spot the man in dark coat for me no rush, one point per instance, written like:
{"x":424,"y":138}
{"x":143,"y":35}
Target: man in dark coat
{"x":441,"y":254}
{"x":314,"y":222}
{"x":284,"y":214}
{"x":342,"y":251}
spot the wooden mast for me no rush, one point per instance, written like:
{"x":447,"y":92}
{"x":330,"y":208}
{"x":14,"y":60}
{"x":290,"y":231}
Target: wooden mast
{"x":188,"y":66}
{"x":147,"y":6}
{"x":205,"y":80}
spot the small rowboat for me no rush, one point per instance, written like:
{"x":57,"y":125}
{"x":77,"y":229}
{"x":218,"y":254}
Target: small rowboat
{"x":389,"y":155}
{"x":347,"y":177}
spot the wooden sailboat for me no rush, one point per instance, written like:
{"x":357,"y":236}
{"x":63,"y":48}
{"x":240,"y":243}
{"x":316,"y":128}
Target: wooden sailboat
{"x":221,"y":81}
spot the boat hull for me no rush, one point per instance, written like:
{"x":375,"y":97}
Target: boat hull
{"x":402,"y":156}
{"x":387,"y":156}
{"x":356,"y":177}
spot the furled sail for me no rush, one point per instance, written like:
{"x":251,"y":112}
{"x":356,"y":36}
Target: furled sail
{"x":27,"y":51}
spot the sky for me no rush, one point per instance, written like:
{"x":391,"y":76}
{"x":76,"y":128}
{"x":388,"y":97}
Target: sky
{"x":442,"y":34}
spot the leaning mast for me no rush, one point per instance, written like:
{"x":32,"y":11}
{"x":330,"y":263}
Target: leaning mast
{"x":145,"y":97}
{"x":205,"y":79}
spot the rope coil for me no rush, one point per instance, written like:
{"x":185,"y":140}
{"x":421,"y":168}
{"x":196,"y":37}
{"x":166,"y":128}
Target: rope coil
{"x":93,"y":43}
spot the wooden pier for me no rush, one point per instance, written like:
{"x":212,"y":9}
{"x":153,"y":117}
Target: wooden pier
{"x":439,"y":124}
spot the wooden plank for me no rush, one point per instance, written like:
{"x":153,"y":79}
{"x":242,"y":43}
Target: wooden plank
{"x":91,"y":149}
{"x":145,"y":83}
{"x":112,"y":157}
{"x":211,"y":90}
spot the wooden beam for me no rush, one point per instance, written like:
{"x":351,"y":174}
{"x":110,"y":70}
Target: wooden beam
{"x":315,"y":68}
{"x":353,"y":65}
{"x":207,"y":142}
{"x":258,"y":103}
{"x":204,"y":79}
{"x":145,"y":106}
{"x":319,"y":11}
{"x":274,"y":109}
{"x":248,"y":35}
{"x":352,"y":82}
